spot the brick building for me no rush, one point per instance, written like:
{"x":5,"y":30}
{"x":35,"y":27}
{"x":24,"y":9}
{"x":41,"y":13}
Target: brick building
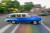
{"x":37,"y":8}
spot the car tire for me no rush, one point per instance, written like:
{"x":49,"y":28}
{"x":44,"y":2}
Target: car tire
{"x":35,"y":22}
{"x":13,"y":22}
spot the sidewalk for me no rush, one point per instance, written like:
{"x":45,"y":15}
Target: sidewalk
{"x":2,"y":14}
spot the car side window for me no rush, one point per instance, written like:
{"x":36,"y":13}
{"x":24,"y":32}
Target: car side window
{"x":28,"y":15}
{"x":17,"y":15}
{"x":23,"y":15}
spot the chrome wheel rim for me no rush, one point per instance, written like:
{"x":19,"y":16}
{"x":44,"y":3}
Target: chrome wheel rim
{"x":34,"y":22}
{"x":13,"y":22}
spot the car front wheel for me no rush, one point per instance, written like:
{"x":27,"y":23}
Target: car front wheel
{"x":35,"y":22}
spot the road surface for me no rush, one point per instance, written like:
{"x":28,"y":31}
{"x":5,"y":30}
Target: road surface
{"x":6,"y":27}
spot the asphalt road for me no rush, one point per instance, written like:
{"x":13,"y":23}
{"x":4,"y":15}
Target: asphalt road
{"x":3,"y":24}
{"x":46,"y":20}
{"x":6,"y":27}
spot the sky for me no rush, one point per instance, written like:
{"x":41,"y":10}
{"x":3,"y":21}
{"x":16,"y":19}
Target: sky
{"x":42,"y":2}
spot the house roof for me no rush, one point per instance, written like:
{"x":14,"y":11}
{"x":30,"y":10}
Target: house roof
{"x":37,"y":6}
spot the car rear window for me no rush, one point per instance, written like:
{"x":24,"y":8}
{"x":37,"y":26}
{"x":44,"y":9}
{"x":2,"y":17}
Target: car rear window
{"x":18,"y":15}
{"x":12,"y":16}
{"x":23,"y":15}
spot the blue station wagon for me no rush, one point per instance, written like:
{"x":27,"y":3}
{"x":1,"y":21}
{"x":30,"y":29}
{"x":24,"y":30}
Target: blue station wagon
{"x":23,"y":18}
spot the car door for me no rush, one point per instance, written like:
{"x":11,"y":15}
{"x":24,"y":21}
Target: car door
{"x":25,"y":19}
{"x":16,"y":18}
{"x":19,"y":18}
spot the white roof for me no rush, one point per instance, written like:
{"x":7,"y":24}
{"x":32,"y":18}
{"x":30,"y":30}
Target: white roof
{"x":19,"y":13}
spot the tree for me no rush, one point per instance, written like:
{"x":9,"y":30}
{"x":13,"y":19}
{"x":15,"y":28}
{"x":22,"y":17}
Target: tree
{"x":13,"y":4}
{"x":9,"y":4}
{"x":48,"y":9}
{"x":0,"y":6}
{"x":28,"y":6}
{"x":21,"y":7}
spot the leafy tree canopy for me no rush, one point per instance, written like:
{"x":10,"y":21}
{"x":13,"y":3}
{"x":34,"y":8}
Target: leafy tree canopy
{"x":28,"y":6}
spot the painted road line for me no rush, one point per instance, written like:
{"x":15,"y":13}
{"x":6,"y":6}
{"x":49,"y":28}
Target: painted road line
{"x":46,"y":27}
{"x":34,"y":29}
{"x":39,"y":29}
{"x":5,"y":28}
{"x":22,"y":30}
{"x":15,"y":28}
{"x":18,"y":29}
{"x":28,"y":29}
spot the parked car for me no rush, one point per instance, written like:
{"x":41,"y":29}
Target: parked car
{"x":43,"y":14}
{"x":23,"y":18}
{"x":49,"y":13}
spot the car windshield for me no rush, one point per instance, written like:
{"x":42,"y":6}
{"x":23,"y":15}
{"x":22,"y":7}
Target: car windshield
{"x":12,"y":16}
{"x":28,"y":15}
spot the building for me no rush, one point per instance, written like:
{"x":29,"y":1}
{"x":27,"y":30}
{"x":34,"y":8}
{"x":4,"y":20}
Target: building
{"x":37,"y":8}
